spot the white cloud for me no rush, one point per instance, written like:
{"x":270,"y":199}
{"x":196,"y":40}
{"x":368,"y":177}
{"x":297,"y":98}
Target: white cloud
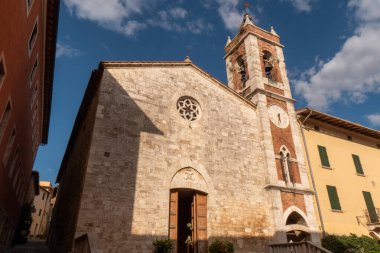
{"x":353,"y":72}
{"x":167,"y":21}
{"x":229,"y":13}
{"x":111,"y":14}
{"x":164,"y":21}
{"x":121,"y":16}
{"x":207,"y":3}
{"x":198,"y":26}
{"x":366,"y":10}
{"x":97,"y":10}
{"x":64,"y":50}
{"x":178,"y":12}
{"x":301,"y":5}
{"x":374,"y":119}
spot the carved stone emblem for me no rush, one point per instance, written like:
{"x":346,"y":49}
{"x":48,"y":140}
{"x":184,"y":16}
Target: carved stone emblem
{"x":189,"y":178}
{"x":188,"y":175}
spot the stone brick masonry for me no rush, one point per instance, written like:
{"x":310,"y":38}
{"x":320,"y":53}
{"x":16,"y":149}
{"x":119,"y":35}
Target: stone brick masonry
{"x":139,"y":143}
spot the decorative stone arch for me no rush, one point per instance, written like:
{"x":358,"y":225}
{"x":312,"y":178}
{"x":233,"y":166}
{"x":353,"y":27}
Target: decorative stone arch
{"x":188,"y":163}
{"x":189,"y":178}
{"x":292,"y":209}
{"x":299,"y":225}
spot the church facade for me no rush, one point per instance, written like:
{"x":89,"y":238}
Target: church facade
{"x":164,"y":150}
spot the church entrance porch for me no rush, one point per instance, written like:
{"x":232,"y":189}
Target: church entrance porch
{"x":188,"y":220}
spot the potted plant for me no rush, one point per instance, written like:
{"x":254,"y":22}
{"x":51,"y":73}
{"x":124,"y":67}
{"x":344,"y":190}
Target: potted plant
{"x":162,"y":246}
{"x":219,"y":246}
{"x":189,"y":239}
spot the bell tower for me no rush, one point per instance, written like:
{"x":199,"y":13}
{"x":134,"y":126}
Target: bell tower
{"x":256,"y":70}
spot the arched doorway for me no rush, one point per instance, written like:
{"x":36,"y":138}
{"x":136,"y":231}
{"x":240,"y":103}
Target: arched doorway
{"x":297,"y":228}
{"x":188,"y":220}
{"x":188,"y":212}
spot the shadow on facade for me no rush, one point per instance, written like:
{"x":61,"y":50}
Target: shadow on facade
{"x":78,"y":176}
{"x":98,"y":176}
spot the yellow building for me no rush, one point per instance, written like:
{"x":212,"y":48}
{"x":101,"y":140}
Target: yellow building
{"x":42,"y":205}
{"x":344,"y":162}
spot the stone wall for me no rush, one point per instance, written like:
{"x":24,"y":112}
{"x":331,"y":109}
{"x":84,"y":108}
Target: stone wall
{"x":72,"y":173}
{"x":140,"y":142}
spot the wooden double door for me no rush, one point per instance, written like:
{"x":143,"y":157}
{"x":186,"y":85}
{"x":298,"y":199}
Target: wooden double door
{"x":188,"y":221}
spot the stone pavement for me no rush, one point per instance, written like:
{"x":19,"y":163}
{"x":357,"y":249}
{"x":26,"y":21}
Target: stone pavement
{"x":33,"y":246}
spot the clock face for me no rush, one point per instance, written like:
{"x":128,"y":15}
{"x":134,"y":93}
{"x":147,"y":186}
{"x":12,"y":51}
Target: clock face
{"x":278,"y":116}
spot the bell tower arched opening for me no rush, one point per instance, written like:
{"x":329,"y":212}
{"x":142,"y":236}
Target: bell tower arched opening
{"x":297,"y":228}
{"x":270,"y":66}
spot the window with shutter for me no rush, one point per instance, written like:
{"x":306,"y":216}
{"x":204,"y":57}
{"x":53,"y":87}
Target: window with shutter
{"x":333,"y":197}
{"x":358,"y":165}
{"x":323,"y":155}
{"x":373,"y":217}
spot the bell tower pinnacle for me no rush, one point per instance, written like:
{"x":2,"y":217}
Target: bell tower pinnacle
{"x":255,"y":60}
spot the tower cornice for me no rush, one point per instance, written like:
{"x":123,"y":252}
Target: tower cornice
{"x":269,"y":94}
{"x":238,"y":39}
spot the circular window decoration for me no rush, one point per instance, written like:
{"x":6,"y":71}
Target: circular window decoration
{"x":188,"y":108}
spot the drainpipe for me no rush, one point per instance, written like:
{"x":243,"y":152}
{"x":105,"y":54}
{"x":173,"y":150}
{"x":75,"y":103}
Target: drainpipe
{"x":311,"y":173}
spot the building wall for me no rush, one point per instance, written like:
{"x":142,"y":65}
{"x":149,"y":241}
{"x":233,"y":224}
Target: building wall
{"x":72,"y":172}
{"x":27,"y":55}
{"x":342,"y":174}
{"x":17,"y":25}
{"x":41,"y":215}
{"x":139,"y":144}
{"x":39,"y":227}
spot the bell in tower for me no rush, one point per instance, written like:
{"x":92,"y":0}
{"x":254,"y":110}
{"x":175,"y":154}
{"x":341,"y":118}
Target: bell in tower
{"x":254,"y":60}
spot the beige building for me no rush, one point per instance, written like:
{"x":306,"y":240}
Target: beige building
{"x":344,"y":162}
{"x":42,"y":205}
{"x":158,"y":145}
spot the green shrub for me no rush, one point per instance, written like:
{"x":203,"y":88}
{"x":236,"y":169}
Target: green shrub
{"x":221,"y":247}
{"x":162,"y":246}
{"x":350,"y":244}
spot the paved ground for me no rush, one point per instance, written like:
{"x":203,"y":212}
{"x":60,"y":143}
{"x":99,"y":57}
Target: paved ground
{"x":33,"y":246}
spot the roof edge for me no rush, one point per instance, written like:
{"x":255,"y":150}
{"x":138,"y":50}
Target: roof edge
{"x":115,"y":64}
{"x":50,"y":49}
{"x":336,"y":121}
{"x":92,"y":88}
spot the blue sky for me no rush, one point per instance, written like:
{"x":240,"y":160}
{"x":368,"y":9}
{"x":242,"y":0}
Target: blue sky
{"x":332,"y":51}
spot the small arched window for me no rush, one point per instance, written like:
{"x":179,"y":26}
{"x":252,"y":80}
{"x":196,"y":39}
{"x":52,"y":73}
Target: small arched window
{"x":269,"y":66}
{"x":286,"y":165}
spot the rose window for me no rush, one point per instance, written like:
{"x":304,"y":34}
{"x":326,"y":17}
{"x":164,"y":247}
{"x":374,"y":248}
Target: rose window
{"x":188,"y":108}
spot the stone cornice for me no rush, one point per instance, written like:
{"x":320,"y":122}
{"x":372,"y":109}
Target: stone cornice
{"x":245,"y":36}
{"x":289,"y":189}
{"x":270,"y":94}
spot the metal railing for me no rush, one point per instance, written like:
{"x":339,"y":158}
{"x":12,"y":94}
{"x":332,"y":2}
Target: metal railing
{"x":297,"y":247}
{"x":372,"y":216}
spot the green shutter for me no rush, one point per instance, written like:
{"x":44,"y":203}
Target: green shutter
{"x":358,"y":165}
{"x":323,"y":155}
{"x":333,"y":197}
{"x":370,"y":207}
